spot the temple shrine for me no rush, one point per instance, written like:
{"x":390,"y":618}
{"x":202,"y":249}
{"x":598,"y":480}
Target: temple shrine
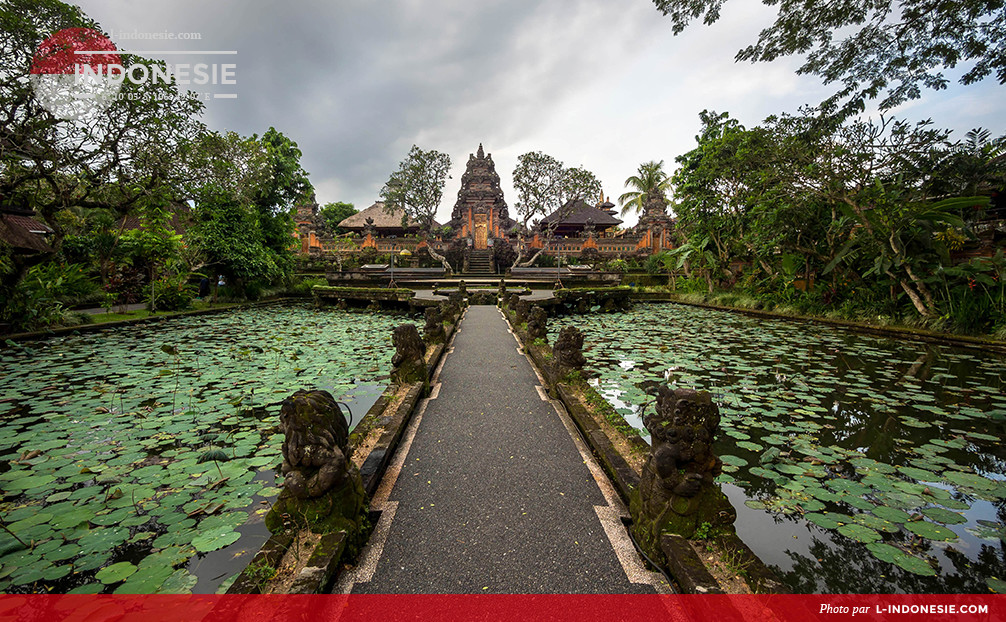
{"x":480,"y":212}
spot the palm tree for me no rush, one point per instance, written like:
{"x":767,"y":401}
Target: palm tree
{"x":650,"y":178}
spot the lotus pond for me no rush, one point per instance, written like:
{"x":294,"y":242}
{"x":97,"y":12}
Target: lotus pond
{"x":141,"y":459}
{"x":856,"y":464}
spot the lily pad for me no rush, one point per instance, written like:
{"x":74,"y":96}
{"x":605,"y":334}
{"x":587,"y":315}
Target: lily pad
{"x":859,"y":533}
{"x":931,"y":531}
{"x":214,"y":539}
{"x":826,"y":520}
{"x":893,"y":515}
{"x":944,"y":516}
{"x":914,"y":565}
{"x":115,"y":573}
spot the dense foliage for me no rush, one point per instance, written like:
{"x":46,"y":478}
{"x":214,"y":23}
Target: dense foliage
{"x":862,"y":218}
{"x":142,"y":199}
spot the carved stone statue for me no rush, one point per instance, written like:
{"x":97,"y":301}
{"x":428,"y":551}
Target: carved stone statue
{"x":434,"y":332}
{"x":522,"y":311}
{"x":409,"y":364}
{"x":449,"y":311}
{"x":537,"y":324}
{"x":568,"y":351}
{"x":677,"y":492}
{"x":322,"y":489}
{"x":368,"y":227}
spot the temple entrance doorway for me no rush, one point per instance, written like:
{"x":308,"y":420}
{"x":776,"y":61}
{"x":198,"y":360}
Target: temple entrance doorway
{"x":481,"y":232}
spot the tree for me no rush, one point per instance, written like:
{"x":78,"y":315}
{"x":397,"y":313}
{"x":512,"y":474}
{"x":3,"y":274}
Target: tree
{"x":539,"y":180}
{"x":230,"y":239}
{"x":245,"y":194}
{"x":416,"y":187}
{"x":892,"y":48}
{"x":650,"y":178}
{"x":334,"y":213}
{"x":718,"y":182}
{"x":118,"y":158}
{"x":578,"y":184}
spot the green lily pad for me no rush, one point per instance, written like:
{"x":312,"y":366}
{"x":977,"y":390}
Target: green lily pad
{"x":893,"y":515}
{"x":859,"y":533}
{"x":996,"y":584}
{"x":215,"y":539}
{"x":115,"y":573}
{"x":914,"y":565}
{"x":884,"y":552}
{"x":944,"y":516}
{"x":826,"y":520}
{"x":931,"y":531}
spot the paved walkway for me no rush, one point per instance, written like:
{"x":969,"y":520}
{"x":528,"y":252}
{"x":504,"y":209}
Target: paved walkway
{"x":491,"y":493}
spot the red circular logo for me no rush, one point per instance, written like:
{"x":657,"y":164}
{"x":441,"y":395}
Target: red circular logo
{"x":76,"y":73}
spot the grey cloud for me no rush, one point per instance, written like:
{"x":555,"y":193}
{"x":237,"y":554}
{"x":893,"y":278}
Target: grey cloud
{"x":355,"y":82}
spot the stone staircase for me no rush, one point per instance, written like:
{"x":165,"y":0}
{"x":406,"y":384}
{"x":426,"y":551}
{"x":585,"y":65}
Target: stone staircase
{"x":480,"y":264}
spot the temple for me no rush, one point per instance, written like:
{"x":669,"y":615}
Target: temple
{"x":480,"y":212}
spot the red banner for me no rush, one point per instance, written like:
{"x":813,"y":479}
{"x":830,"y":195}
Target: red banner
{"x":551,"y":608}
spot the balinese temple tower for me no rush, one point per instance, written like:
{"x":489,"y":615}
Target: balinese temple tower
{"x":480,"y":212}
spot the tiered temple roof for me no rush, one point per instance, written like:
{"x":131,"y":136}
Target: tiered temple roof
{"x":577,"y":214}
{"x":481,"y":199}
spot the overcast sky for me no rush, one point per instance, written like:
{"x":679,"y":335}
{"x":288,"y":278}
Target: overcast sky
{"x":598,"y":83}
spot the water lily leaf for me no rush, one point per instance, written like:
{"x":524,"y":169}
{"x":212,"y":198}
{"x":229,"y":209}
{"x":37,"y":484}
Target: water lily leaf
{"x":919,"y":474}
{"x":859,"y":533}
{"x":996,"y":584}
{"x":214,"y":539}
{"x":733,"y":461}
{"x":215,"y":455}
{"x":884,"y":552}
{"x":146,"y":580}
{"x":944,"y":516}
{"x":857,"y":502}
{"x":915,"y":565}
{"x":893,"y":515}
{"x":88,"y":588}
{"x":826,"y":520}
{"x":969,"y":480}
{"x":181,"y":581}
{"x":115,"y":573}
{"x":875,"y":522}
{"x":931,"y":531}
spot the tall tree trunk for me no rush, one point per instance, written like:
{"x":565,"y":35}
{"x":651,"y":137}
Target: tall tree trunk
{"x":434,"y":254}
{"x":917,"y":301}
{"x":921,"y":286}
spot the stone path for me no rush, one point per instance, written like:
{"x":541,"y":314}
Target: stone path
{"x":491,"y":493}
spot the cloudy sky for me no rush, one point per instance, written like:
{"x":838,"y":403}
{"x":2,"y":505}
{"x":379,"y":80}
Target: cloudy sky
{"x":597,"y":83}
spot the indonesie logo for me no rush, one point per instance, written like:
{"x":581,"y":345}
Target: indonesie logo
{"x":76,"y":73}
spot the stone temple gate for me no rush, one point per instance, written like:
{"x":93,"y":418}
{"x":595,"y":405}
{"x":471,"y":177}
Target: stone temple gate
{"x":480,"y":212}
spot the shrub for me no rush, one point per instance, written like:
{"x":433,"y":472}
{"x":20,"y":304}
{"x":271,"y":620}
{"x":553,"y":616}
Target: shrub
{"x":171,"y":294}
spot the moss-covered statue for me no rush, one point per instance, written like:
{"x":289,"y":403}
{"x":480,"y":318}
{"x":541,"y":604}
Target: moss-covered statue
{"x":409,"y":362}
{"x":677,"y":492}
{"x":537,"y":324}
{"x":322,"y":489}
{"x":568,"y":351}
{"x":434,"y":332}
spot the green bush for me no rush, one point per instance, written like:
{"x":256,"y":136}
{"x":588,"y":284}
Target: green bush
{"x":171,"y":294}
